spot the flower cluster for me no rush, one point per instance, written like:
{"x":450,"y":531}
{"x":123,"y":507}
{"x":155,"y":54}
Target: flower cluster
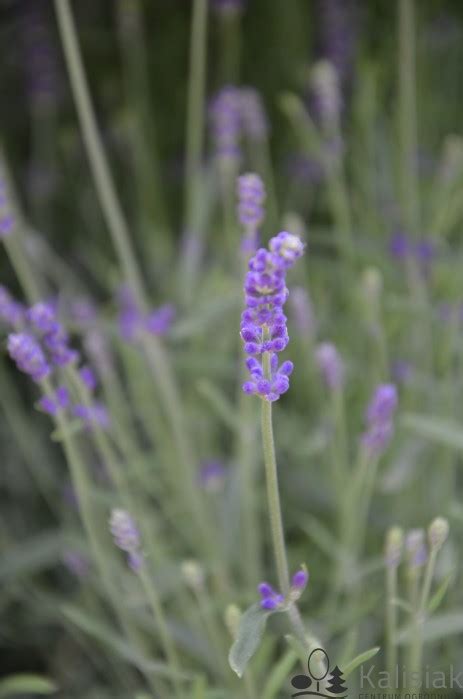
{"x":132,"y":322}
{"x":271,"y":599}
{"x":379,"y":418}
{"x":330,"y":365}
{"x":43,"y":319}
{"x":402,"y":247}
{"x":29,"y":357}
{"x":126,"y":537}
{"x":263,"y":323}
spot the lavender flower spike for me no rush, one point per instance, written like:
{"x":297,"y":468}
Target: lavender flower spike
{"x":225,"y":118}
{"x":263,"y":323}
{"x":126,"y":537}
{"x":379,"y":418}
{"x":330,"y":364}
{"x":28,"y":355}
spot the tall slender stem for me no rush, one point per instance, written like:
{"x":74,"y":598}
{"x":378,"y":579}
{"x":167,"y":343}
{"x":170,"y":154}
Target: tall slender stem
{"x":110,"y":205}
{"x":273,"y":495}
{"x":391,"y":621}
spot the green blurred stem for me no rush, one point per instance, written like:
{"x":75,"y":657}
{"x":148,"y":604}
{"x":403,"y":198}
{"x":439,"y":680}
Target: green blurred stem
{"x":101,"y":174}
{"x":421,"y":601}
{"x":415,"y":643}
{"x":391,"y":620}
{"x":164,"y":635}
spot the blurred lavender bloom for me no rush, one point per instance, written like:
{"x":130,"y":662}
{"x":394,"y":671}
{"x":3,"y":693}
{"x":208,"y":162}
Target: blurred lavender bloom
{"x":95,"y":414}
{"x":126,"y":537}
{"x":76,"y":563}
{"x":225,"y":120}
{"x":88,"y":378}
{"x":130,"y":316}
{"x":251,"y":196}
{"x":59,"y":400}
{"x":28,"y":355}
{"x":83,"y":312}
{"x":399,"y":245}
{"x":304,"y":169}
{"x":254,"y":119}
{"x":303,"y":312}
{"x":401,"y":371}
{"x":379,"y":418}
{"x":12,"y":312}
{"x":330,"y":364}
{"x":44,"y":320}
{"x":300,"y":579}
{"x":97,"y":348}
{"x":159,"y":322}
{"x":212,"y":476}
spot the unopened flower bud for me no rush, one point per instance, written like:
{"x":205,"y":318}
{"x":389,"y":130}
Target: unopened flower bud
{"x":193,"y":574}
{"x":394,"y":546}
{"x":438,"y":532}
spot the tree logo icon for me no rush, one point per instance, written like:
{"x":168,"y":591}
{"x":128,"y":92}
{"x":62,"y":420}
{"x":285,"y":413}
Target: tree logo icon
{"x":319,"y":681}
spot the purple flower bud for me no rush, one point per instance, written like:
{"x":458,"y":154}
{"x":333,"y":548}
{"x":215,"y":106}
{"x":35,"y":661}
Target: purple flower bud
{"x":330,"y":364}
{"x":95,"y":414}
{"x":270,"y":599}
{"x":300,"y":579}
{"x":88,"y":378}
{"x":251,"y":196}
{"x":28,"y":355}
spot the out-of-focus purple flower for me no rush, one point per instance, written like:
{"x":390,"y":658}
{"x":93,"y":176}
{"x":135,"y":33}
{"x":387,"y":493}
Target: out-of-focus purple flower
{"x":330,"y":365}
{"x":225,"y":120}
{"x":379,"y":418}
{"x":254,"y":119}
{"x":425,"y":251}
{"x":304,"y":169}
{"x":159,"y":321}
{"x":270,"y":599}
{"x":43,"y":319}
{"x":415,"y":545}
{"x":83,"y":312}
{"x":212,"y":476}
{"x":383,"y":404}
{"x":88,"y":378}
{"x":76,"y":563}
{"x":12,"y":313}
{"x":95,"y":414}
{"x":126,"y":537}
{"x":263,"y":323}
{"x":303,"y":312}
{"x":60,"y":400}
{"x":399,"y":245}
{"x":251,"y":196}
{"x":28,"y":355}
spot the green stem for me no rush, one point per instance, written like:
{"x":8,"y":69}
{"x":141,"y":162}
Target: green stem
{"x":391,"y":621}
{"x":273,"y":496}
{"x":110,"y":205}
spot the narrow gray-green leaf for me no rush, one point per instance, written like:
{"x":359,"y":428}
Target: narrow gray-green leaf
{"x":439,"y":626}
{"x":26,"y":684}
{"x":439,"y":594}
{"x":359,"y":660}
{"x":448,"y":432}
{"x":250,"y":631}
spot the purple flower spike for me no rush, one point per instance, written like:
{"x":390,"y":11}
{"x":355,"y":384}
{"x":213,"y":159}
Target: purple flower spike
{"x":300,"y":579}
{"x":225,"y":118}
{"x":330,"y":365}
{"x":379,"y":418}
{"x":263,"y":323}
{"x":28,"y":355}
{"x":251,"y":197}
{"x":88,"y":378}
{"x":126,"y":537}
{"x":383,"y":404}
